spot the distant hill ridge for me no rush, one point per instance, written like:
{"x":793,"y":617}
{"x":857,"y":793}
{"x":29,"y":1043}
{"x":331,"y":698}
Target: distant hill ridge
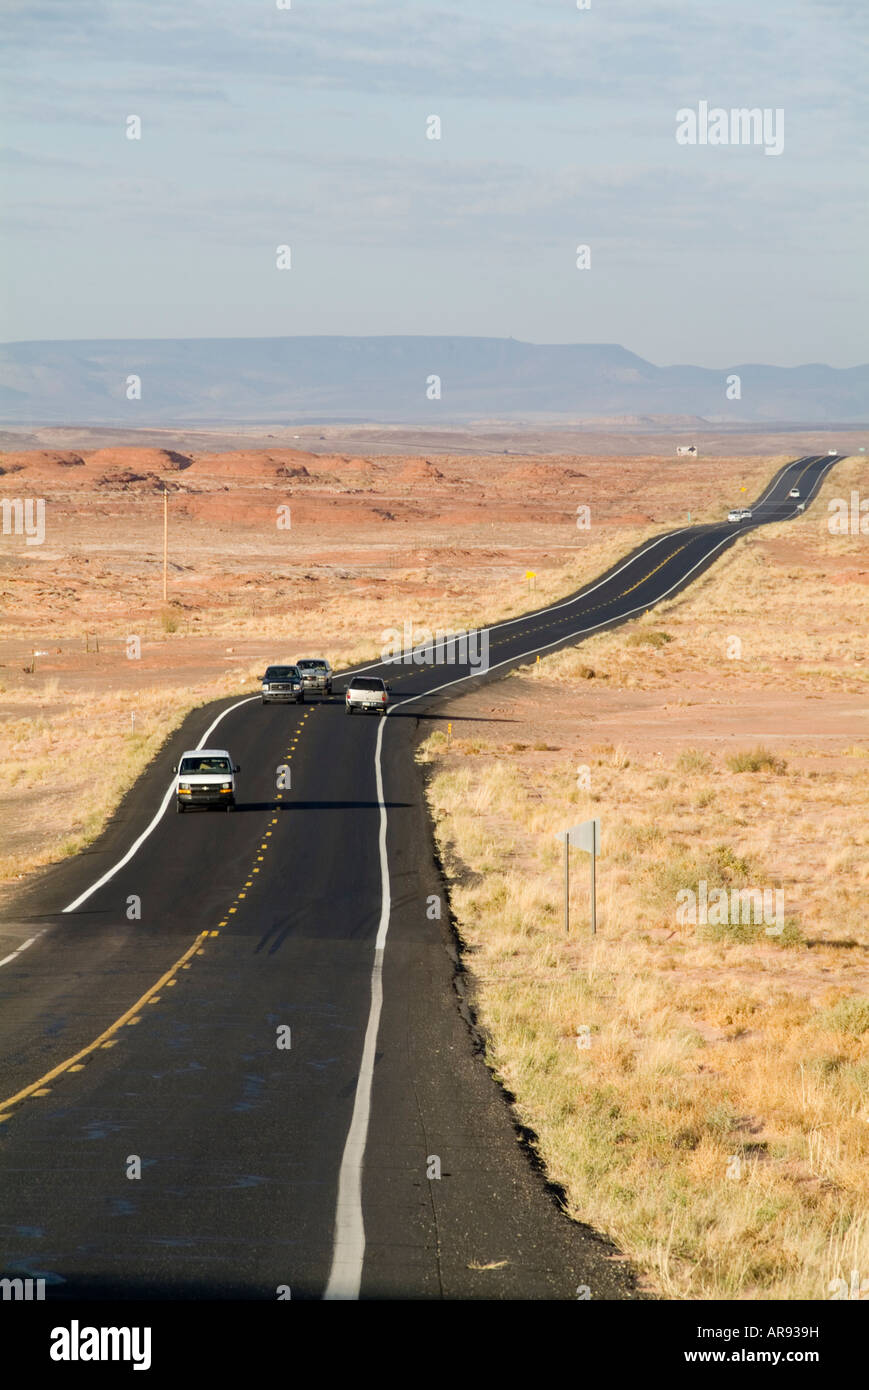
{"x":210,"y":381}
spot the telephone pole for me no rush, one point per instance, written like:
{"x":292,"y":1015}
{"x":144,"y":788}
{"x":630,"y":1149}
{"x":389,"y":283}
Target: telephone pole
{"x":165,"y":545}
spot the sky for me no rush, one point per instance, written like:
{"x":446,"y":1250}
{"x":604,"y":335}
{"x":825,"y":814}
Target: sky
{"x":303,"y":123}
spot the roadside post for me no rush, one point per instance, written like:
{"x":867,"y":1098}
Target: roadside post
{"x":585,"y":836}
{"x":165,"y":544}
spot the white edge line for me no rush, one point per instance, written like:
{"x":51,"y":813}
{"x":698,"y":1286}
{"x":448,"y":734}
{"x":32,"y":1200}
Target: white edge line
{"x":348,"y":1252}
{"x":152,"y":825}
{"x":22,"y":947}
{"x":345,"y":1275}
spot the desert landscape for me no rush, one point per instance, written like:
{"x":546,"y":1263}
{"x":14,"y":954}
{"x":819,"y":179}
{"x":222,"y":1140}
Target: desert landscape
{"x":365,"y":543}
{"x":702,"y":765}
{"x":497,"y":376}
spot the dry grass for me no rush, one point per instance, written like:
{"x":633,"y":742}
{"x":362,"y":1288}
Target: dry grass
{"x":699,"y":1092}
{"x":62,"y":787}
{"x":704,"y":1046}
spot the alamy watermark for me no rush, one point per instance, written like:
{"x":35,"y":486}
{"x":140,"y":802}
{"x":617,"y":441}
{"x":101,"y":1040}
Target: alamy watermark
{"x":77,"y":1343}
{"x":22,"y":1290}
{"x":741,"y":125}
{"x":848,"y":518}
{"x":731,"y":907}
{"x":415,"y":646}
{"x":24,"y":517}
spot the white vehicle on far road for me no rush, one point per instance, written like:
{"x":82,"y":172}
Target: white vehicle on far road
{"x":794,"y":492}
{"x":366,"y":692}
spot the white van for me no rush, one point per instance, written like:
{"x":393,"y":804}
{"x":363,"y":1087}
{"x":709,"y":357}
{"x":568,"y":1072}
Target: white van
{"x":205,"y":777}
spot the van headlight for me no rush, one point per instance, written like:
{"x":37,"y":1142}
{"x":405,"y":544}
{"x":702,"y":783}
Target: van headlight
{"x":183,"y":786}
{"x":265,"y":685}
{"x":226,"y":786}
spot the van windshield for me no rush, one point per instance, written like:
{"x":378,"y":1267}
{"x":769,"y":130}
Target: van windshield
{"x":189,"y":765}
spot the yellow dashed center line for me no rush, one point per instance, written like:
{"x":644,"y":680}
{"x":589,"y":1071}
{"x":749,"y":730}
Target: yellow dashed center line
{"x":151,"y":995}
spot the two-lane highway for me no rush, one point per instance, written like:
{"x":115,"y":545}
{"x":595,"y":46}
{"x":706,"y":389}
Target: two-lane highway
{"x":229,"y":1066}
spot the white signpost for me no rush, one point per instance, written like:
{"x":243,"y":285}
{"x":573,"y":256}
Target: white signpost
{"x":585,"y":836}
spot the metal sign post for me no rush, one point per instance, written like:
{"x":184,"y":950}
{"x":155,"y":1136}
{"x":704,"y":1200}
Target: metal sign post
{"x":583,"y":836}
{"x":593,"y":888}
{"x":567,"y":884}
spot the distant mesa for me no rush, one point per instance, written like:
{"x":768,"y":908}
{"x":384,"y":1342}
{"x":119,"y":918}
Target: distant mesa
{"x":332,"y":381}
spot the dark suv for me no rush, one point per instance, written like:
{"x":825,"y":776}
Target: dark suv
{"x":282,"y":684}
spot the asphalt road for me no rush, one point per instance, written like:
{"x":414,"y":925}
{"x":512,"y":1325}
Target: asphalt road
{"x":307,"y":1167}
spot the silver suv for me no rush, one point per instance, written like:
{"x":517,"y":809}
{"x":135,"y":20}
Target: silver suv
{"x":316,"y":675}
{"x":282,"y":684}
{"x":366,"y":692}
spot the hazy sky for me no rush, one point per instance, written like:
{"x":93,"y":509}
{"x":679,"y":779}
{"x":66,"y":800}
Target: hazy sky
{"x":307,"y":127}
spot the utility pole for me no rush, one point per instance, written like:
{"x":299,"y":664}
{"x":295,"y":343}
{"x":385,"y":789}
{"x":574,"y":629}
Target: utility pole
{"x":165,"y":545}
